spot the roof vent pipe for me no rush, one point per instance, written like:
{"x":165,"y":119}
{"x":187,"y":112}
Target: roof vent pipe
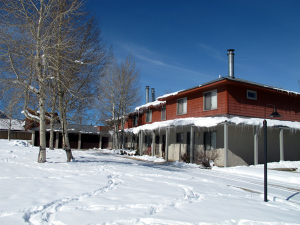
{"x":153,"y":94}
{"x":147,"y":94}
{"x":230,"y":63}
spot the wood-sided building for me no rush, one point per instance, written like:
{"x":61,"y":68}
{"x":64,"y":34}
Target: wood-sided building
{"x":223,"y":115}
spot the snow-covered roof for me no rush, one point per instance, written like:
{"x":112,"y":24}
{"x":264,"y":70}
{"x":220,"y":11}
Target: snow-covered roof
{"x":232,"y":79}
{"x":170,"y":94}
{"x":155,"y":103}
{"x":15,"y":124}
{"x":214,"y":121}
{"x":74,"y":128}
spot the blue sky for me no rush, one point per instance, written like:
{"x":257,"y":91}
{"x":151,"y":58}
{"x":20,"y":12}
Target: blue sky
{"x":181,"y":44}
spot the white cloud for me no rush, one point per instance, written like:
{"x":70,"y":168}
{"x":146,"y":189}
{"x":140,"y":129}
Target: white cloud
{"x":154,"y":59}
{"x":212,"y":52}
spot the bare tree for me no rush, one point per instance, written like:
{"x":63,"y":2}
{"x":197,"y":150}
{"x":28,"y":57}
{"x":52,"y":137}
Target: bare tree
{"x":77,"y":61}
{"x":50,"y":40}
{"x":130,"y":95}
{"x":25,"y":33}
{"x":120,"y":93}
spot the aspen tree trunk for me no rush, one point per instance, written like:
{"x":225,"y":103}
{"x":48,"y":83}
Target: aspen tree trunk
{"x":40,"y":73}
{"x":66,"y":143}
{"x":42,"y":152}
{"x":51,"y":129}
{"x":9,"y":129}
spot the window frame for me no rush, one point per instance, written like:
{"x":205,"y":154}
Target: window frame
{"x":212,"y":140}
{"x":134,"y":121}
{"x":165,"y":113}
{"x":149,"y":114}
{"x":184,"y":107}
{"x":215,"y":100}
{"x":179,"y":137}
{"x":252,"y":92}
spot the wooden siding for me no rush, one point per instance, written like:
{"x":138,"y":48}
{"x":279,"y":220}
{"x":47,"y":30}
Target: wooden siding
{"x":232,"y":100}
{"x":195,"y":106}
{"x":288,"y":105}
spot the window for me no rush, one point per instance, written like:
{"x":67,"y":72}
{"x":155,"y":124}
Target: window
{"x":148,"y":140}
{"x":148,"y":116}
{"x":181,"y":106}
{"x":179,"y":137}
{"x":210,"y":100}
{"x":163,"y":113}
{"x":134,"y":121}
{"x":251,"y":94}
{"x":210,"y":140}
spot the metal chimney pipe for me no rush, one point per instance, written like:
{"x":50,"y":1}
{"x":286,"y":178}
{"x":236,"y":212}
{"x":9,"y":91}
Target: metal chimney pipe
{"x":153,"y":94}
{"x":230,"y":63}
{"x":147,"y":94}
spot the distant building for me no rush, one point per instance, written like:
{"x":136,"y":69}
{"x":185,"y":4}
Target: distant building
{"x":15,"y":126}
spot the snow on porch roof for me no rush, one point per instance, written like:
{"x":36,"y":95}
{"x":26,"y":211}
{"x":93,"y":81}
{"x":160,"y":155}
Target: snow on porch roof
{"x":214,"y":121}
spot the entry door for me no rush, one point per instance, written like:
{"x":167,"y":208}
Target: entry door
{"x":163,"y":146}
{"x":188,"y":146}
{"x":105,"y":142}
{"x":157,"y":145}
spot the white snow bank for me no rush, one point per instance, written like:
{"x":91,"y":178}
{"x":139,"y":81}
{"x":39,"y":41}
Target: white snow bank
{"x":258,"y":171}
{"x":19,"y":143}
{"x":149,"y":158}
{"x":214,"y":121}
{"x":100,"y":188}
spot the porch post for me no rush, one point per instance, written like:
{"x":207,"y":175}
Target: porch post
{"x":131,"y":140}
{"x":192,"y":144}
{"x":32,"y":137}
{"x":79,"y":141}
{"x":167,"y":143}
{"x":100,"y":141}
{"x":256,"y":146}
{"x":56,"y":139}
{"x":281,"y":144}
{"x":225,"y":144}
{"x":141,"y":142}
{"x":153,"y":143}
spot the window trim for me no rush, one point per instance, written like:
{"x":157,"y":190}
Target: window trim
{"x":252,"y":92}
{"x":150,"y":119}
{"x":185,"y":108}
{"x":134,"y":121}
{"x":161,"y":111}
{"x":181,"y":137}
{"x":211,"y":147}
{"x":204,"y":102}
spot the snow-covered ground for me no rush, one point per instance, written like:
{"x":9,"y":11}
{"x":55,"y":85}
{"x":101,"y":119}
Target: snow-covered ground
{"x":101,"y":187}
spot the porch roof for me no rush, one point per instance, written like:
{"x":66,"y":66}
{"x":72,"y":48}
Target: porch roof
{"x":214,"y":121}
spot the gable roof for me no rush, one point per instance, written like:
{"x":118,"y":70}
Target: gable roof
{"x":164,"y":97}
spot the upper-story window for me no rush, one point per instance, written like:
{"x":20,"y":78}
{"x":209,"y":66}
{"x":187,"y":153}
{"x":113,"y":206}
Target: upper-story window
{"x":251,"y":94}
{"x":163,"y":113}
{"x":134,"y":121}
{"x":148,"y":116}
{"x":210,"y":100}
{"x":181,"y":106}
